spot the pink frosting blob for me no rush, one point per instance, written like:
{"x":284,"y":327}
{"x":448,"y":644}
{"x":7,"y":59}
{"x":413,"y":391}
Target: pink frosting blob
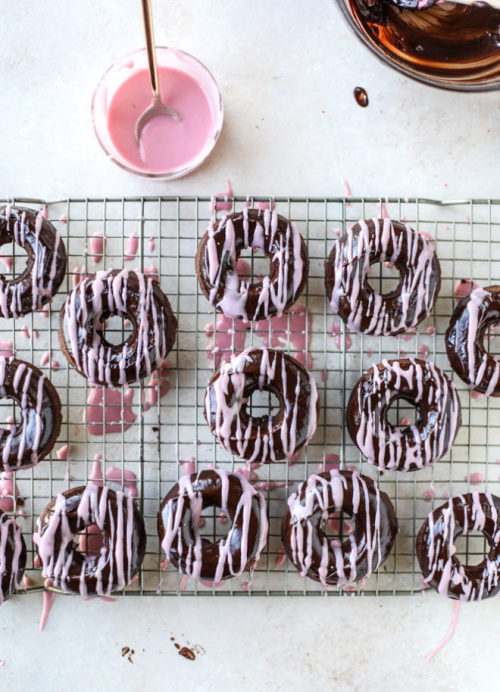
{"x":106,"y":413}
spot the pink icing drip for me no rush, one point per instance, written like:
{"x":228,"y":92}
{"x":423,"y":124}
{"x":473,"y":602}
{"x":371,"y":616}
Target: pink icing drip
{"x":330,"y":462}
{"x":475,"y":478}
{"x":8,"y":492}
{"x":48,"y":600}
{"x":221,"y":347}
{"x":124,"y":477}
{"x":97,"y":243}
{"x":6,"y":349}
{"x":335,"y":329}
{"x":280,"y":557}
{"x":347,"y":188}
{"x":265,"y":205}
{"x":157,"y":387}
{"x":423,"y":351}
{"x":131,"y":247}
{"x":104,"y":412}
{"x":152,"y":271}
{"x":188,"y":466}
{"x":45,"y":358}
{"x":464,"y":287}
{"x":275,"y":333}
{"x":6,"y":261}
{"x":449,"y":635}
{"x":151,"y":244}
{"x":63,"y":218}
{"x":222,"y":205}
{"x":63,"y":452}
{"x":431,"y":330}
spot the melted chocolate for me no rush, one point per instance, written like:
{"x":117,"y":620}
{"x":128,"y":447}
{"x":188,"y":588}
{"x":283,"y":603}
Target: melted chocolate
{"x":130,"y":295}
{"x":123,"y":536}
{"x":347,"y":268}
{"x":412,"y":447}
{"x":363,"y":551}
{"x":436,"y":550}
{"x":45,"y":266}
{"x":217,"y":258}
{"x":447,"y":39}
{"x":24,"y":445}
{"x":179,"y":525}
{"x":12,"y":556}
{"x":360,"y":96}
{"x":267,"y":438}
{"x":465,"y":340}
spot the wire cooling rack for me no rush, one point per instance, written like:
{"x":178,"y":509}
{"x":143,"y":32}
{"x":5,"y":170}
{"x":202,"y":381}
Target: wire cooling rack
{"x":156,"y":441}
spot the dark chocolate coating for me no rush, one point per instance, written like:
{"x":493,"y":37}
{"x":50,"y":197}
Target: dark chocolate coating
{"x":361,"y":552}
{"x":21,"y":382}
{"x":109,"y":365}
{"x":481,"y":371}
{"x":45,"y":264}
{"x":264,"y":439}
{"x":350,"y":295}
{"x":278,"y":245}
{"x":78,"y":560}
{"x":436,"y":542}
{"x":209,"y":487}
{"x":408,"y":448}
{"x":9,"y":579}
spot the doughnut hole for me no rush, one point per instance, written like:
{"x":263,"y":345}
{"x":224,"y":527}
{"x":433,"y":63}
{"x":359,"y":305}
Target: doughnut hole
{"x":116,"y":329}
{"x":384,"y":278}
{"x":213,"y":524}
{"x":402,"y":413}
{"x":253,"y":265}
{"x":89,"y":541}
{"x":13,"y":260}
{"x":471,"y":548}
{"x":262,"y":403}
{"x":337,"y":527}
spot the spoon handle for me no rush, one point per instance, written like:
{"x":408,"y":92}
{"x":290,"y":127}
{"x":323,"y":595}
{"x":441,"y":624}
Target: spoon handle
{"x":147,"y":19}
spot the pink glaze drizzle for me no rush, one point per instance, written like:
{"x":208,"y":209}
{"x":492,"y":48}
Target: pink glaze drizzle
{"x":449,"y":635}
{"x":48,"y":601}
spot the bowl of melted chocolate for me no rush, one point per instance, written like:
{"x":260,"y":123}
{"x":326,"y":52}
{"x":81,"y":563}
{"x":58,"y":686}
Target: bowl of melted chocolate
{"x":444,"y":44}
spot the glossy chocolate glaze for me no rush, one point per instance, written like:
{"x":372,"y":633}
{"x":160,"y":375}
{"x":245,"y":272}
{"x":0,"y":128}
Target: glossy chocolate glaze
{"x":130,"y":295}
{"x":410,"y":448}
{"x":347,"y":268}
{"x":45,"y":264}
{"x":39,"y":406}
{"x":436,"y":549}
{"x":267,"y":438}
{"x":465,"y":336}
{"x":123,"y":533}
{"x":446,"y":39}
{"x":12,"y":556}
{"x":363,"y":551}
{"x":179,"y":525}
{"x":220,"y":249}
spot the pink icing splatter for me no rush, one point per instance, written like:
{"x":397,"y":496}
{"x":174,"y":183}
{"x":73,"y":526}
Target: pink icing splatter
{"x":324,"y":375}
{"x":347,"y":188}
{"x":6,"y":261}
{"x":265,"y":205}
{"x":79,"y":274}
{"x":330,"y":462}
{"x":222,"y":205}
{"x":151,"y":244}
{"x":274,"y":333}
{"x":429,"y":493}
{"x":449,"y":635}
{"x":188,"y":466}
{"x":8,"y":492}
{"x":408,"y":335}
{"x":45,"y":211}
{"x":55,"y":365}
{"x":477,"y":395}
{"x":221,"y":347}
{"x":431,"y":330}
{"x":465,"y":218}
{"x":105,"y":412}
{"x":45,"y":311}
{"x":280,"y":557}
{"x":6,"y":349}
{"x":423,"y":351}
{"x":475,"y":478}
{"x":335,"y":331}
{"x":63,"y":452}
{"x":45,"y":358}
{"x":48,"y":600}
{"x":125,"y":477}
{"x":464,"y":287}
{"x":209,"y":330}
{"x":404,"y":422}
{"x":151,"y":271}
{"x":131,"y":247}
{"x":63,"y":218}
{"x":245,"y":586}
{"x":97,"y":243}
{"x":157,"y":386}
{"x":25,"y":332}
{"x":336,"y":231}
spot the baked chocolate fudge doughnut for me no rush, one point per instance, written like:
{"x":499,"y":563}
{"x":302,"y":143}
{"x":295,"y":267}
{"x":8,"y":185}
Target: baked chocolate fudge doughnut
{"x":266,"y":438}
{"x":312,"y":553}
{"x":179,"y":525}
{"x":12,"y":556}
{"x":347,"y":270}
{"x":465,"y":340}
{"x":413,"y":447}
{"x":217,"y":257}
{"x":128,"y":294}
{"x":39,"y":406}
{"x":436,"y":549}
{"x":123,"y":541}
{"x":45,"y":265}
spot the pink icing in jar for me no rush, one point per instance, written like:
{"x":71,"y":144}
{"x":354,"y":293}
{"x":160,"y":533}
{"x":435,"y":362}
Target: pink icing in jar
{"x":168,"y":148}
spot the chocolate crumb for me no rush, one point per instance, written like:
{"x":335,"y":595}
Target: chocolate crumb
{"x":177,"y":646}
{"x":125,"y":650}
{"x":129,"y":658}
{"x":187,"y":653}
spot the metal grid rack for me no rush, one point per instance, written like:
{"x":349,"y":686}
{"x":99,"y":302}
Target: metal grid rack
{"x":155,"y":440}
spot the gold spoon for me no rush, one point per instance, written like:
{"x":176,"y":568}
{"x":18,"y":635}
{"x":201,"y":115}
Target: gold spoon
{"x":157,"y":106}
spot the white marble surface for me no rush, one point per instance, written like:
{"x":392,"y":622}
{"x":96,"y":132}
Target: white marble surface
{"x":286,"y":70}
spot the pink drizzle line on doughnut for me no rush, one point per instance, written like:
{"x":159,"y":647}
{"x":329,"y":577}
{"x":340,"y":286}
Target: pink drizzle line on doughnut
{"x":91,"y":510}
{"x":187,"y":494}
{"x":417,"y":454}
{"x":95,"y":360}
{"x":476,"y":374}
{"x":451,"y":571}
{"x":233,"y":302}
{"x":317,"y":489}
{"x":225,"y":414}
{"x":9,"y":528}
{"x":353,"y":246}
{"x":20,"y":383}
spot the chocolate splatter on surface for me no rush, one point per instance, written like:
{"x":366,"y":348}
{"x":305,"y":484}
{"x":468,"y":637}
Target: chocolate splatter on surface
{"x":187,"y":653}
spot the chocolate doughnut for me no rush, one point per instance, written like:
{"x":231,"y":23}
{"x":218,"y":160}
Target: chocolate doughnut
{"x":347,"y":270}
{"x":45,"y":265}
{"x":28,"y":442}
{"x":436,"y":549}
{"x":362,"y":552}
{"x":12,"y":556}
{"x":267,"y":438}
{"x":128,"y":294}
{"x":179,"y":525}
{"x":465,"y":340}
{"x":413,"y":447}
{"x":220,"y":249}
{"x":123,"y":540}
